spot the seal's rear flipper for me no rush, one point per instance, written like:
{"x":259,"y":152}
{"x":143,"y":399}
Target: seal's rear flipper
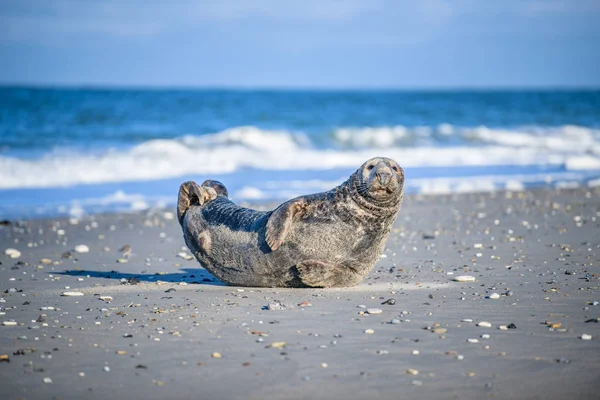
{"x":280,"y":221}
{"x":190,"y":194}
{"x":218,"y":186}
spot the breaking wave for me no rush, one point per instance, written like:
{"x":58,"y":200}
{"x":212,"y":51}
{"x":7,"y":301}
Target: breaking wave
{"x":574,"y":147}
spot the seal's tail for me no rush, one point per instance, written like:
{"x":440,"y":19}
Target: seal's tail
{"x":190,"y":194}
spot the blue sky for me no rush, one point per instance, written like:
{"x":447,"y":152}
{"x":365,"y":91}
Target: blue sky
{"x":308,"y":43}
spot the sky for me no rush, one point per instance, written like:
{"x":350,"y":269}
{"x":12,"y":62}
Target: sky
{"x":301,"y":44}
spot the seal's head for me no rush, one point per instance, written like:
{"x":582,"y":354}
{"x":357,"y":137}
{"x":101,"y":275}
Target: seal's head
{"x":380,"y":180}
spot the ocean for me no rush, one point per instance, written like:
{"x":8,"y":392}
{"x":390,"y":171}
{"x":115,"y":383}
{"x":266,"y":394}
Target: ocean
{"x":84,"y":151}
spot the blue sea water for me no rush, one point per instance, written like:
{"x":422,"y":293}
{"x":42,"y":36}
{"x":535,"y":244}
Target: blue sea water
{"x":78,"y":151}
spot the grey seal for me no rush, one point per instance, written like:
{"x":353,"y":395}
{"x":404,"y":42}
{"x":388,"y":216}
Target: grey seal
{"x":328,"y":239}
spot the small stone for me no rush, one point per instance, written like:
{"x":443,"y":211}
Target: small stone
{"x":509,"y":293}
{"x":485,"y":336}
{"x":4,"y":358}
{"x":121,"y":352}
{"x":369,"y":331}
{"x":106,"y":369}
{"x":464,"y":278}
{"x":304,"y":304}
{"x":460,"y":357}
{"x":324,"y":365}
{"x":484,"y":324}
{"x":417,"y":383}
{"x":503,"y":327}
{"x":275,"y":307}
{"x":216,"y":355}
{"x":71,"y":294}
{"x":440,"y":331}
{"x":47,"y":380}
{"x":105,"y":298}
{"x":122,"y":260}
{"x":46,"y":261}
{"x":81,"y":248}
{"x":512,"y":326}
{"x":412,"y":371}
{"x":466,"y":320}
{"x":12,"y":253}
{"x":415,"y":352}
{"x":9,"y":323}
{"x":586,"y":336}
{"x":494,"y":296}
{"x":473,"y":340}
{"x":395,"y":321}
{"x":277,"y":345}
{"x":374,"y":310}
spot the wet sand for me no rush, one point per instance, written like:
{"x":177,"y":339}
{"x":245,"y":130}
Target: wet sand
{"x":173,"y":331}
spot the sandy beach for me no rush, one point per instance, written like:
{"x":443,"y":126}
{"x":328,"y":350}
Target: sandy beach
{"x":149,"y":323}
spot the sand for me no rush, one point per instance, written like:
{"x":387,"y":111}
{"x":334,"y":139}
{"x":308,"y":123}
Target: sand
{"x":159,"y":335}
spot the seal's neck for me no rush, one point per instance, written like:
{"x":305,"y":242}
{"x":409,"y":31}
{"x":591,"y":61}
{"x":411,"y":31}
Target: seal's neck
{"x":380,"y":208}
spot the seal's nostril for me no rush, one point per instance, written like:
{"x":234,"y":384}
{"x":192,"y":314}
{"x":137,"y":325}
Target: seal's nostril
{"x":383,"y":177}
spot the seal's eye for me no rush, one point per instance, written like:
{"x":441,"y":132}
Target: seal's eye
{"x":370,"y":167}
{"x":395,"y":168}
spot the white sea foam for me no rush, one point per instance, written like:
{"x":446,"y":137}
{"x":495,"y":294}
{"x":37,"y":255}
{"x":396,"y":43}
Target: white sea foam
{"x":231,"y":150}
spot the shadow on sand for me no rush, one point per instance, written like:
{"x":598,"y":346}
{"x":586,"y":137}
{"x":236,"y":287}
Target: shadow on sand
{"x":189,"y":275}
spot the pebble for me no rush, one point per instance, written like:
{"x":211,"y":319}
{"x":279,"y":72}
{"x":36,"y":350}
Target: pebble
{"x":216,"y":355}
{"x":417,"y":383}
{"x":586,"y":336}
{"x":464,"y":278}
{"x":106,"y":298}
{"x":415,"y":352}
{"x":277,"y":345}
{"x":12,"y":253}
{"x":374,"y":310}
{"x":81,"y":248}
{"x":412,"y":371}
{"x":494,"y":296}
{"x":466,"y":320}
{"x":503,"y":327}
{"x":71,"y":294}
{"x":9,"y":323}
{"x":106,"y":369}
{"x":324,"y":365}
{"x":473,"y":340}
{"x":47,"y":380}
{"x":395,"y":321}
{"x":440,"y":331}
{"x":369,"y":331}
{"x":485,"y":336}
{"x":484,"y":324}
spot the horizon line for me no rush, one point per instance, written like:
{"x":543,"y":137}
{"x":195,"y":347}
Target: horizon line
{"x":150,"y":87}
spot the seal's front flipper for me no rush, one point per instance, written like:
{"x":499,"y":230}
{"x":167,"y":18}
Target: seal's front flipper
{"x":280,"y":221}
{"x":317,"y":273}
{"x":190,"y":194}
{"x":218,"y":186}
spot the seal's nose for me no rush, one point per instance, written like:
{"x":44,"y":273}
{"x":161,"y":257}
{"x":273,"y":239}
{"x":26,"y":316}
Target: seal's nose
{"x":384,"y":175}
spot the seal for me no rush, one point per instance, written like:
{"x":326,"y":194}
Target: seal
{"x":329,"y":239}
